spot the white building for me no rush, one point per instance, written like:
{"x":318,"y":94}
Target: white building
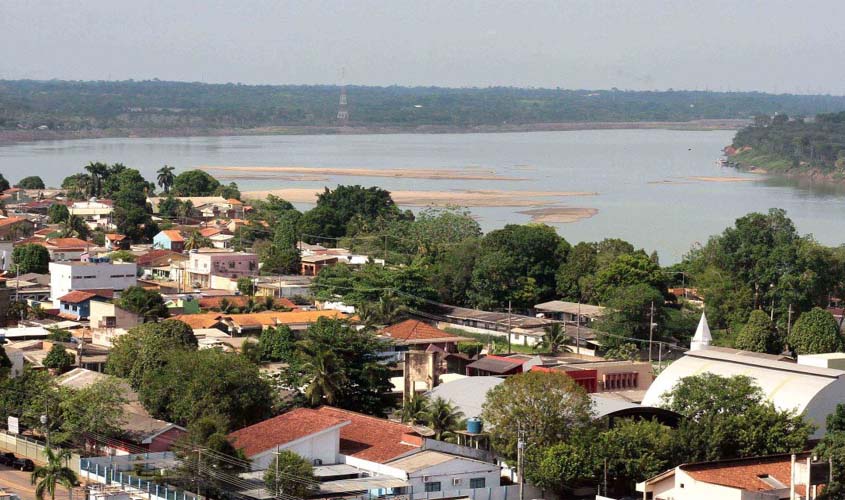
{"x":94,"y":213}
{"x":803,"y":386}
{"x":68,"y":276}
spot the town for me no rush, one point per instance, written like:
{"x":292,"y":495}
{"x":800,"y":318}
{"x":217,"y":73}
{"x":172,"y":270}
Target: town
{"x":171,"y":340}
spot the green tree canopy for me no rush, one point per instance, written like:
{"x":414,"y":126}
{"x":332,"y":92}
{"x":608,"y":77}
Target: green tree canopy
{"x":194,"y":183}
{"x":147,"y":303}
{"x":815,"y":332}
{"x":636,"y":450}
{"x":93,"y":410}
{"x":730,"y":417}
{"x":759,"y":335}
{"x":58,"y":359}
{"x":561,"y":467}
{"x":277,"y":344}
{"x":4,"y":183}
{"x":31,"y":258}
{"x":550,"y":407}
{"x":629,"y":313}
{"x":58,"y":213}
{"x":144,"y":348}
{"x":31,"y":182}
{"x":628,"y":270}
{"x":45,"y":478}
{"x":290,"y":474}
{"x":337,"y":208}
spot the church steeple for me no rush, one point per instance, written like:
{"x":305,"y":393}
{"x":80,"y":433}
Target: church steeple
{"x":702,"y":338}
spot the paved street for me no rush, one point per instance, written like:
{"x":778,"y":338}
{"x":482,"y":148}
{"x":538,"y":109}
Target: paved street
{"x":15,"y":481}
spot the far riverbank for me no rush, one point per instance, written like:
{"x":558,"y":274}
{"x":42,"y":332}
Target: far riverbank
{"x":28,"y":135}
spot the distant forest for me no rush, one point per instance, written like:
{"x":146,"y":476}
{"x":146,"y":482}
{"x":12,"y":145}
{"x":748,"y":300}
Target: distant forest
{"x":81,"y":106}
{"x":782,"y":144}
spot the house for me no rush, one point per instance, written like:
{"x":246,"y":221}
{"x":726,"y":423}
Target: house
{"x":169,"y":239}
{"x":207,"y":207}
{"x":99,"y":275}
{"x":206,"y":264}
{"x":116,"y":241}
{"x":773,"y":477}
{"x":240,"y":301}
{"x":415,"y":335}
{"x":570,"y":312}
{"x":812,"y":386}
{"x":283,"y":286}
{"x":95,"y":213}
{"x":140,"y":429}
{"x":523,"y":330}
{"x":495,"y":365}
{"x":76,"y":305}
{"x":254,"y":323}
{"x":157,"y":263}
{"x":63,"y":249}
{"x":597,"y":376}
{"x":310,"y":265}
{"x":109,"y":321}
{"x":12,"y":228}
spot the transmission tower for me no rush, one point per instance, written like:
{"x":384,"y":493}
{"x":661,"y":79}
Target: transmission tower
{"x":342,"y":111}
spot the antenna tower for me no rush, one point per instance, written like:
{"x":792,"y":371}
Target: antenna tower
{"x":342,"y":111}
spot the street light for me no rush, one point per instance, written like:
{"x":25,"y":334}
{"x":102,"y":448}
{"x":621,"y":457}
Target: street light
{"x":44,"y":421}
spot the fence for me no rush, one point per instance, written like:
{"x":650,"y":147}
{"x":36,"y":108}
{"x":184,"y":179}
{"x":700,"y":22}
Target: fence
{"x":25,"y":447}
{"x":94,"y":471}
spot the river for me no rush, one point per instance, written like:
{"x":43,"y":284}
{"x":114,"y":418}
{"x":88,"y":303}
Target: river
{"x":659,"y":189}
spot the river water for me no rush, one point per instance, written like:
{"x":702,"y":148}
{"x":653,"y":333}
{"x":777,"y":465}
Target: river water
{"x":641,"y":177}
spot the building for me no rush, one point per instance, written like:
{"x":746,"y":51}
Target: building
{"x":495,"y":365}
{"x":109,"y":321}
{"x":804,"y":386}
{"x":158,"y":263}
{"x":632,"y":378}
{"x":414,"y":335}
{"x":169,"y":239}
{"x":116,"y":241}
{"x":570,"y":312}
{"x":12,"y":228}
{"x":772,"y":477}
{"x":76,"y":305}
{"x":95,"y":213}
{"x":66,"y":277}
{"x":207,"y":207}
{"x":254,"y":323}
{"x":64,"y":249}
{"x":206,"y":264}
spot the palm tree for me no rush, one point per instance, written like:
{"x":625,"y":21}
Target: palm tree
{"x":441,"y":417}
{"x":225,"y":306}
{"x":196,"y":240}
{"x":45,"y":478}
{"x":554,"y":339}
{"x":98,"y":172}
{"x":414,"y":409}
{"x":165,"y":177}
{"x":74,"y":227}
{"x":326,"y":379}
{"x":384,"y":312}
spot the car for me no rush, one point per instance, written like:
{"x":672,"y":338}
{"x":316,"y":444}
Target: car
{"x":24,"y":464}
{"x":7,"y":458}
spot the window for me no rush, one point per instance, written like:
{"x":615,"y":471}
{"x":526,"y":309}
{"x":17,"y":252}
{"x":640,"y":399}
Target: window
{"x":231,"y":265}
{"x":476,"y":482}
{"x":617,"y":381}
{"x":431,"y":487}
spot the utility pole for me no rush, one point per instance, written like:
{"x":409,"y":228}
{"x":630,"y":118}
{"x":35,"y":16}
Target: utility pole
{"x":509,"y":327}
{"x":199,"y":466}
{"x":520,"y":462}
{"x":276,"y":477}
{"x":789,"y":321}
{"x":650,"y":330}
{"x":578,"y":330}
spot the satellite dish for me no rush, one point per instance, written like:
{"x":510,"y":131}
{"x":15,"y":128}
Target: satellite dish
{"x":422,"y":430}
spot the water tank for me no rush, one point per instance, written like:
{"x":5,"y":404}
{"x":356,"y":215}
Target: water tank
{"x":474,"y":425}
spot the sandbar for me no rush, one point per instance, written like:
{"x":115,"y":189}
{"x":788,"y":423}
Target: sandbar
{"x":465,"y":198}
{"x":560,"y":215}
{"x":474,"y":174}
{"x":720,"y":179}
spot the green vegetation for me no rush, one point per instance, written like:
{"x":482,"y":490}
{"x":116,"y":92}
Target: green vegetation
{"x":779,"y":144}
{"x":31,"y":182}
{"x":102,"y":105}
{"x":146,"y":303}
{"x":759,"y":335}
{"x":290,"y":474}
{"x":815,"y":332}
{"x":31,"y":258}
{"x":58,"y":359}
{"x":55,"y":473}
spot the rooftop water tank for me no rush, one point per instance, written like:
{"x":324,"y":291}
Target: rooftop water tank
{"x":474,"y":425}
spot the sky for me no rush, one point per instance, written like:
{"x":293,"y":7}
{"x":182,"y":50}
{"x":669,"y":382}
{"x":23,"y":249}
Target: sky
{"x":773,"y":46}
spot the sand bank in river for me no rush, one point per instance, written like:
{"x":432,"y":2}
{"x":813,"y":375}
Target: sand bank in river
{"x":466,"y":198}
{"x":721,"y":179}
{"x":560,"y":215}
{"x":410,"y":173}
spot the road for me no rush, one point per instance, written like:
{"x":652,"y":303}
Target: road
{"x":15,"y":481}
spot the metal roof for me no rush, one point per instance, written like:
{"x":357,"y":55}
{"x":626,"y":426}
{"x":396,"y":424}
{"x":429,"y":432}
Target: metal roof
{"x":361,"y":484}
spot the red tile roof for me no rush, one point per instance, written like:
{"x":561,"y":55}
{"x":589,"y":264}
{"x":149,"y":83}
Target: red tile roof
{"x":8,"y":221}
{"x":68,"y":243}
{"x":744,"y":473}
{"x":154,"y":255}
{"x":173,"y":235}
{"x":287,"y":427}
{"x":413,"y":331}
{"x":241,"y":300}
{"x":115,"y":237}
{"x":207,"y":232}
{"x":371,"y":438}
{"x":78,"y":296}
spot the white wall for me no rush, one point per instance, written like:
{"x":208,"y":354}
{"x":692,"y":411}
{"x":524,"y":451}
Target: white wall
{"x":456,"y":469}
{"x":6,"y":262}
{"x":65,"y":277}
{"x":323,"y":446}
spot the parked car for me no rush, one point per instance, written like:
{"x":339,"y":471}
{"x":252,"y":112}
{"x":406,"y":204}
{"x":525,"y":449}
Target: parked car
{"x":24,"y":464}
{"x":7,"y":458}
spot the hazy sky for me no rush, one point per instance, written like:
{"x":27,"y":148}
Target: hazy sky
{"x":780,"y":46}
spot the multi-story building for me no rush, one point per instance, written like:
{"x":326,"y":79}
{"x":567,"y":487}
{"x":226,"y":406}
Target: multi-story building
{"x":208,"y":264}
{"x":98,"y":274}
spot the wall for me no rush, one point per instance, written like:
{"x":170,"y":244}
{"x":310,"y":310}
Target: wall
{"x":6,"y":262}
{"x":165,"y":440}
{"x":528,"y":340}
{"x":33,"y":450}
{"x":457,"y":469}
{"x":322,"y":446}
{"x":108,"y":276}
{"x":123,"y":318}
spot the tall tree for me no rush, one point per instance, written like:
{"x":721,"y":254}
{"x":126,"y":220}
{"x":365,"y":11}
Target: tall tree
{"x":165,"y":177}
{"x":194,"y":183}
{"x":94,"y":410}
{"x":759,"y":335}
{"x":146,"y":303}
{"x":4,"y":183}
{"x":31,"y":258}
{"x":443,"y":418}
{"x":815,"y":332}
{"x":31,"y":182}
{"x":554,"y":339}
